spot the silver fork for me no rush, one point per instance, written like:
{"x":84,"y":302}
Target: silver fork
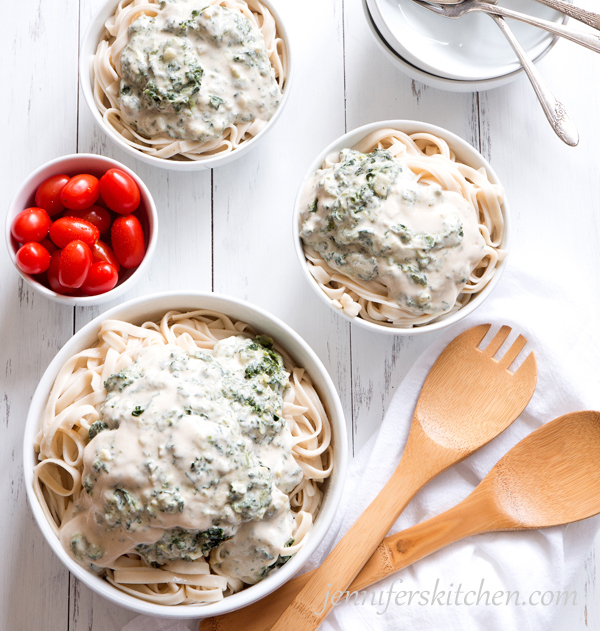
{"x":554,"y":110}
{"x":587,"y":17}
{"x":589,"y":40}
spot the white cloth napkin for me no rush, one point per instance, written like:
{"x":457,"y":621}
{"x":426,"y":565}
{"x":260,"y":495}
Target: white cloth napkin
{"x":561,"y":326}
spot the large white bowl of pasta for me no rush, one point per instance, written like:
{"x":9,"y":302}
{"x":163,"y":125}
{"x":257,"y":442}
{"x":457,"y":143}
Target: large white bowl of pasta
{"x":186,"y":84}
{"x":401,"y":227}
{"x":184,"y":454}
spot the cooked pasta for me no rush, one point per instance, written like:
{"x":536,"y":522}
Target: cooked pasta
{"x":184,"y":493}
{"x":397,"y":232}
{"x":189,"y":79}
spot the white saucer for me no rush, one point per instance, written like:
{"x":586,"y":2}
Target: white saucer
{"x":441,"y":83}
{"x":471,"y":48}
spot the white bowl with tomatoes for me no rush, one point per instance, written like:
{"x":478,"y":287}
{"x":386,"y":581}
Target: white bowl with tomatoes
{"x":82,"y":229}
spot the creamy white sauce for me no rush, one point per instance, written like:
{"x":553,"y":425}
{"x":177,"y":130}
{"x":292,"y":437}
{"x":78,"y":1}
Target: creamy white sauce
{"x":193,"y":70}
{"x":257,"y":544}
{"x":370,"y":219}
{"x":191,"y":450}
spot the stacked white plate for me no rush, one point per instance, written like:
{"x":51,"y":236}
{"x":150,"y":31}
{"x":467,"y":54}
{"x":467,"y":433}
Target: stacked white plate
{"x":462,"y":55}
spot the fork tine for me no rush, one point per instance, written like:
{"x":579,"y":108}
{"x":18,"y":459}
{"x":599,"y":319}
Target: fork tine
{"x":496,"y":343}
{"x":528,"y":366}
{"x":474,"y":335}
{"x":512,"y":352}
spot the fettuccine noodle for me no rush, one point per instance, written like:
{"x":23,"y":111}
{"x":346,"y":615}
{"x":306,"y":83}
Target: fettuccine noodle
{"x":107,"y":74}
{"x":75,"y":403}
{"x":432,"y":161}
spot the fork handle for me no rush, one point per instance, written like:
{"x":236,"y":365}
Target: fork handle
{"x":555,"y":112}
{"x":589,"y":40}
{"x":587,"y":17}
{"x":422,"y":460}
{"x":338,"y":570}
{"x":475,"y":514}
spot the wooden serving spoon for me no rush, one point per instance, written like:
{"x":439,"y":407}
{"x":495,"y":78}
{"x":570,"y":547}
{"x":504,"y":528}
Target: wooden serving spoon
{"x":550,"y":478}
{"x":467,"y":399}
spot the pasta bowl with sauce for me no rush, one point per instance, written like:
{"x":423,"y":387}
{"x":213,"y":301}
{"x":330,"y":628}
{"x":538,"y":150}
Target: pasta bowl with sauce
{"x":186,"y":85}
{"x":110,"y":497}
{"x":401,"y":227}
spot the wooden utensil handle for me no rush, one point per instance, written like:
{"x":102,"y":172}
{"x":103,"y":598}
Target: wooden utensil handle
{"x":261,"y":615}
{"x":413,"y":544}
{"x":393,"y":554}
{"x":310,"y":607}
{"x":265,"y":614}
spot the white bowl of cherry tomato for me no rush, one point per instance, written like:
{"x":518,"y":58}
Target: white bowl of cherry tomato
{"x":82,"y":229}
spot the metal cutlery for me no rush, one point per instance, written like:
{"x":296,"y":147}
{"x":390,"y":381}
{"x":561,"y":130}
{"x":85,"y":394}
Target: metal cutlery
{"x":555,"y":112}
{"x":587,"y":17}
{"x":589,"y":40}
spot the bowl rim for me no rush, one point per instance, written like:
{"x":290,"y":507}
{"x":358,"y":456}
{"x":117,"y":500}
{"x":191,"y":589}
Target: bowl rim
{"x":157,"y":303}
{"x":460,"y":147}
{"x":106,"y":163}
{"x":89,"y":43}
{"x":435,"y":81}
{"x":388,"y":36}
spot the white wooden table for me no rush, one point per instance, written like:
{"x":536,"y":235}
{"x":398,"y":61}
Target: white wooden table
{"x":230,"y":231}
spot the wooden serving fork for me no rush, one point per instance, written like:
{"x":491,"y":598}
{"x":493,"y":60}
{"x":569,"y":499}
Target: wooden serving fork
{"x":550,"y":478}
{"x":467,"y":399}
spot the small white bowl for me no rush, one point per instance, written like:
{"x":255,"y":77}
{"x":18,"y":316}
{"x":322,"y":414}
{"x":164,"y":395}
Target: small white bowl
{"x":471,"y":48}
{"x":466,"y":154}
{"x":89,"y":43}
{"x":97,"y":166}
{"x":152,"y":308}
{"x":441,"y":83}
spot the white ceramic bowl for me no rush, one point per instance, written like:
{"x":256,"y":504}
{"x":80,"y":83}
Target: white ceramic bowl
{"x":471,"y":48}
{"x":441,"y":83}
{"x":152,"y":308}
{"x":97,"y":166}
{"x":89,"y":43}
{"x":466,"y":154}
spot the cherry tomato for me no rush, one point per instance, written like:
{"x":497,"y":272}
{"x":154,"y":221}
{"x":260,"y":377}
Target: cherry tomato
{"x":101,"y":277}
{"x":67,"y":229}
{"x":80,"y":192}
{"x":101,"y":253}
{"x":47,"y":195}
{"x":74,"y":264}
{"x":55,"y":284}
{"x":48,"y":245}
{"x":119,"y":191}
{"x":33,"y":258}
{"x":31,"y":224}
{"x":128,"y":241}
{"x":97,"y":216}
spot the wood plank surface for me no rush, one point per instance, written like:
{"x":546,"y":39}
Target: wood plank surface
{"x":229,"y":231}
{"x":34,"y":587}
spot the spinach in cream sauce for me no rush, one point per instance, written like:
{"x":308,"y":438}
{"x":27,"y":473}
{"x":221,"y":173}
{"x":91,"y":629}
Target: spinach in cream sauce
{"x":191,"y":453}
{"x":193,"y":70}
{"x":371,"y":219}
